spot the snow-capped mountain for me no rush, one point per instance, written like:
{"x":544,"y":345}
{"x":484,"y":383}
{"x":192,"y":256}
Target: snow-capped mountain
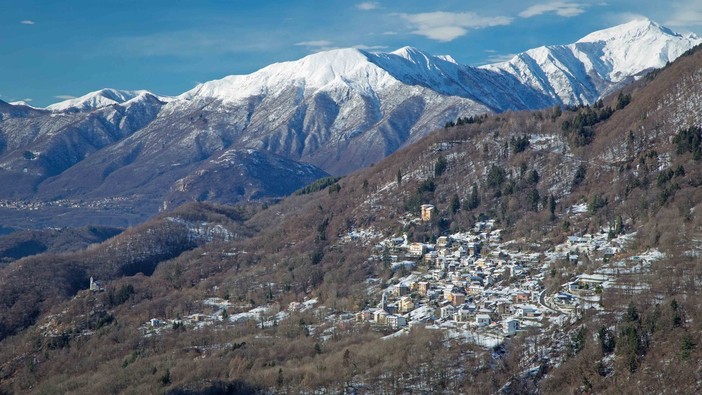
{"x":102,"y":98}
{"x":596,"y":64}
{"x":338,"y":110}
{"x":347,"y":108}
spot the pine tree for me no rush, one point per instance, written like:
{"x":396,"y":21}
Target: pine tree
{"x":474,"y":199}
{"x":440,"y":166}
{"x":455,"y":204}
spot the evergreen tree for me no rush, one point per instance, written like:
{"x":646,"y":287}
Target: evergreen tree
{"x":496,"y":176}
{"x":455,"y":204}
{"x":440,"y":166}
{"x":579,"y":176}
{"x":474,"y":199}
{"x":533,"y":198}
{"x":623,"y":100}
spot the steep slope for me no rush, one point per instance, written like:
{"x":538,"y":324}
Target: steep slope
{"x":338,"y":109}
{"x":598,"y":63}
{"x":98,"y":99}
{"x":37,"y":144}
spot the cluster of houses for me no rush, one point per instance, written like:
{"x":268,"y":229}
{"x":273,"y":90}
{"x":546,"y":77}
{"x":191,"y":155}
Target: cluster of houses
{"x":470,"y":280}
{"x":456,"y":281}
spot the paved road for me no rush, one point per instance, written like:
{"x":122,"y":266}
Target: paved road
{"x":542,"y":301}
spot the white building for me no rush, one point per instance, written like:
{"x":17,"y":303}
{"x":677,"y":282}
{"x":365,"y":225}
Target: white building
{"x":482,"y":319}
{"x":510,"y":326}
{"x":396,"y":321}
{"x":448,"y":311}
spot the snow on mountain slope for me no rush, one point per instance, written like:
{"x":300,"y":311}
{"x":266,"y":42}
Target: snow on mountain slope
{"x":638,"y":45}
{"x":338,"y":110}
{"x":328,"y":70}
{"x":582,"y":72}
{"x":368,"y":74}
{"x":24,"y":103}
{"x":102,"y":98}
{"x":347,"y":108}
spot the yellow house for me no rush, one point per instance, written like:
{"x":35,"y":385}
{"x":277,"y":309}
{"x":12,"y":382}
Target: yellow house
{"x":406,"y":304}
{"x":427,"y":211}
{"x":417,"y":249}
{"x":457,"y":298}
{"x":422,"y":287}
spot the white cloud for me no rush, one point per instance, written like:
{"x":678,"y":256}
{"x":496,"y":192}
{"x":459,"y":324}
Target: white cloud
{"x":561,"y":8}
{"x":183,"y":43}
{"x":685,"y":14}
{"x":27,"y":22}
{"x":447,"y":26}
{"x":325,"y":45}
{"x":315,"y":43}
{"x":369,"y":47}
{"x":499,"y":58}
{"x":64,"y":97}
{"x":368,"y":5}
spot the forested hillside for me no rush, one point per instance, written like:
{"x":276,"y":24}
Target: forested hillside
{"x":262,"y":298}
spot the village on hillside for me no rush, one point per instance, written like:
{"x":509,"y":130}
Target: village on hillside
{"x":473,"y":285}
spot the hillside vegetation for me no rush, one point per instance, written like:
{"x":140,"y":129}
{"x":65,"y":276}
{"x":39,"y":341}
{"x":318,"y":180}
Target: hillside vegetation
{"x":631,"y":162}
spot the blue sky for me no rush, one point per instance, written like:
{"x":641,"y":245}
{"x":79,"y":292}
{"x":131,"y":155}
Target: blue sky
{"x":53,"y":50}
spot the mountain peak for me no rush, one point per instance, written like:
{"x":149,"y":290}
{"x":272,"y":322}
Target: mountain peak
{"x":409,"y":52}
{"x":98,"y":99}
{"x":313,"y":71}
{"x":633,"y":30}
{"x":418,"y":56}
{"x":23,"y":103}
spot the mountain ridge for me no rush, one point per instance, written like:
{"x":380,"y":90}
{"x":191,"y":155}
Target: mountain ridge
{"x":320,"y":69}
{"x":339,"y":110}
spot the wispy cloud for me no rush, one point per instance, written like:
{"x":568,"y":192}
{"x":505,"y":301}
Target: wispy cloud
{"x":184,"y":43}
{"x":369,"y":47}
{"x":368,"y":5}
{"x":498,"y":58}
{"x":685,"y":14}
{"x":622,"y":17}
{"x":27,"y":22}
{"x":326,"y":45}
{"x":315,"y":43}
{"x":561,"y":8}
{"x":64,"y":97}
{"x":447,"y":26}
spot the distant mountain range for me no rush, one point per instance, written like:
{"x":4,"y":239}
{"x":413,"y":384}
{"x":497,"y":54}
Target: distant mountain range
{"x":333,"y":112}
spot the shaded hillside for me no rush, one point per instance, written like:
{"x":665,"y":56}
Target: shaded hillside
{"x":30,"y":286}
{"x":31,"y":242}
